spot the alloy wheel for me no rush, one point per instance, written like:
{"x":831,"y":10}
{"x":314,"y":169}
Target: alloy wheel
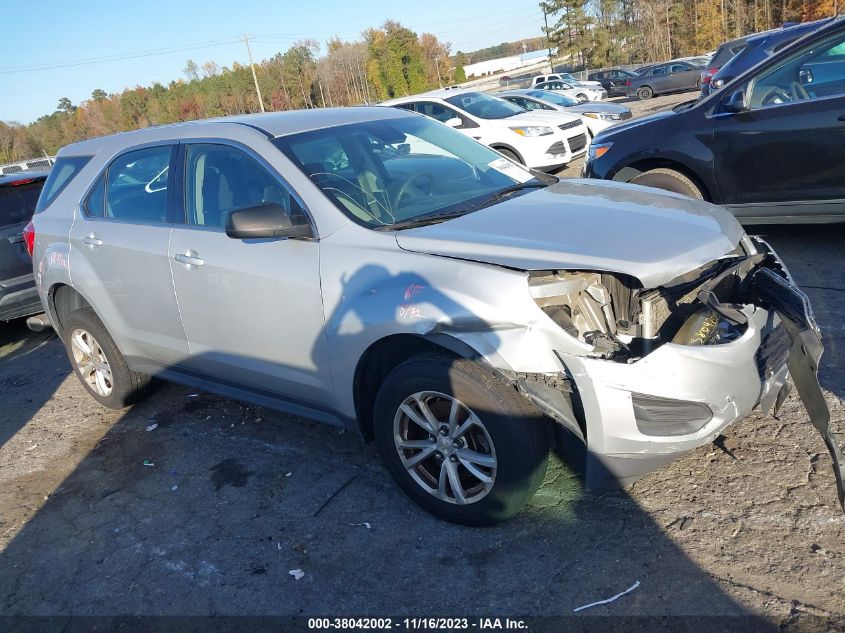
{"x":445,"y":447}
{"x":91,"y":362}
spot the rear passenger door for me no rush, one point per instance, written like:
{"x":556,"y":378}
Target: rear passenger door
{"x":119,"y":256}
{"x":252,"y":309}
{"x":682,"y":76}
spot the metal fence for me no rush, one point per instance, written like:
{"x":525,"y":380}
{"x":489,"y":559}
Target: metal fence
{"x":33,"y":163}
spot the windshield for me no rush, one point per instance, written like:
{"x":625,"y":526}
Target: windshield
{"x":387,"y":172}
{"x":554,"y":97}
{"x":484,"y":106}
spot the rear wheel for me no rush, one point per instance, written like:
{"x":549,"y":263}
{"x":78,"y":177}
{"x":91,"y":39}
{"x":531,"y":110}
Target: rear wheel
{"x":645,"y":93}
{"x":97,"y":362}
{"x":510,"y":154}
{"x":670,"y":180}
{"x":458,"y":441}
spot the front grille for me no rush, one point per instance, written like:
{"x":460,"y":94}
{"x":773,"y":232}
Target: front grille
{"x":570,"y":125}
{"x":577,"y":142}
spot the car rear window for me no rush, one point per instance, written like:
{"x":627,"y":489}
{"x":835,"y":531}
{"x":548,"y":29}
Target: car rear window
{"x":64,"y":170}
{"x":17,"y":201}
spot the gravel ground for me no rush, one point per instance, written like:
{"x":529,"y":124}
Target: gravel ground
{"x":234,"y":497}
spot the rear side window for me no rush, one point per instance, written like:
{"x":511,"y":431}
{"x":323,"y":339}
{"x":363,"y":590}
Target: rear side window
{"x":137,"y":184}
{"x":65,"y":170}
{"x":17,"y":202}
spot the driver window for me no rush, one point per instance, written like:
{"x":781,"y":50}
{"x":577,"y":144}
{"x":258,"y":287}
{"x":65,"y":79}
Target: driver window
{"x":436,"y":111}
{"x":221,"y":179}
{"x":813,"y":73}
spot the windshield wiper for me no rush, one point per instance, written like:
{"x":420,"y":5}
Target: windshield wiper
{"x":507,"y":191}
{"x":423,"y":220}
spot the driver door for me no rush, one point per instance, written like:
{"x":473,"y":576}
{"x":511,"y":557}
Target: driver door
{"x":251,"y":308}
{"x":785,"y":155}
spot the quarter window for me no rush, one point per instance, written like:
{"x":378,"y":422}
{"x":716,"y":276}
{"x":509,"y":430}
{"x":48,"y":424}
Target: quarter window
{"x":137,"y":185}
{"x":64,"y":170}
{"x":221,"y":179}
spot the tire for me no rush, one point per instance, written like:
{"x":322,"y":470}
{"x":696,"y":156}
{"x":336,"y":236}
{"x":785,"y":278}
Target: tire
{"x":582,"y":97}
{"x":507,"y":440}
{"x":645,"y":93}
{"x":112,"y":383}
{"x":670,"y":180}
{"x":510,"y":154}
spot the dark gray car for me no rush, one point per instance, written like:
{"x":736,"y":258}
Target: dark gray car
{"x":18,"y":195}
{"x":662,"y":78}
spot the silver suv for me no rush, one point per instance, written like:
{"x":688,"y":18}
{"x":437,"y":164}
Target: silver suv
{"x":375,"y":269}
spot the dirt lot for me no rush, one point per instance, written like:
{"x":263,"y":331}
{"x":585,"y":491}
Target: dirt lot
{"x":209,"y":511}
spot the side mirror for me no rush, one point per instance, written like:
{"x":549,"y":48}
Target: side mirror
{"x":264,"y":221}
{"x":736,"y":102}
{"x":454,"y":122}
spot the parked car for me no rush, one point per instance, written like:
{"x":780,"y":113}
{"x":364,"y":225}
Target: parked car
{"x":613,"y":80}
{"x":596,"y":116}
{"x":565,"y":77}
{"x":576,"y":91}
{"x":544,"y":141}
{"x":759,"y":48}
{"x":18,"y":194}
{"x":722,"y":56}
{"x":767,"y":146}
{"x":674,"y":76}
{"x":373,"y":268}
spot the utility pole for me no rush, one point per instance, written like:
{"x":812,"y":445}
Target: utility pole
{"x":437,"y":66}
{"x":254,"y":76}
{"x":548,"y":41}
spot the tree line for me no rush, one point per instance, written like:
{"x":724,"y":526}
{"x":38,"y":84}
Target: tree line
{"x":601,"y":33}
{"x":392,"y":60}
{"x":389,"y":61}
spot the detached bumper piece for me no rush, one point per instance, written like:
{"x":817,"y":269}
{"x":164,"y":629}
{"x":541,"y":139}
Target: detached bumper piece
{"x":777,"y":293}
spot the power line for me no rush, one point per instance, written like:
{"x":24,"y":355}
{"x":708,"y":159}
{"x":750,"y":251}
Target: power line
{"x":120,"y":57}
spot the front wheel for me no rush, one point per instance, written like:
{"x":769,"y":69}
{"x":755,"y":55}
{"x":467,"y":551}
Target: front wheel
{"x":670,"y":180}
{"x":504,"y":151}
{"x":460,"y":442}
{"x":582,"y":97}
{"x":97,"y":362}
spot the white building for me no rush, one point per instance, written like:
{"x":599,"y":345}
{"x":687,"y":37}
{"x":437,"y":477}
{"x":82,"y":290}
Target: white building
{"x":505,"y":64}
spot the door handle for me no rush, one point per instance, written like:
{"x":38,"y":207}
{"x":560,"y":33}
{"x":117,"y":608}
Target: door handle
{"x":841,"y":117}
{"x":92,"y":240}
{"x":188,"y":259}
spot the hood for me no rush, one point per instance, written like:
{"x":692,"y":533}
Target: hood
{"x":621,"y":128}
{"x":536,"y":117}
{"x":587,"y":225}
{"x":597,"y":106}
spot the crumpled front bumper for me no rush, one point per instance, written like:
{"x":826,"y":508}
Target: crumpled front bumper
{"x":730,"y":378}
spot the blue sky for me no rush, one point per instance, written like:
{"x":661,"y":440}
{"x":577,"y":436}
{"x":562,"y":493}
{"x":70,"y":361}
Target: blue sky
{"x":78,"y":35}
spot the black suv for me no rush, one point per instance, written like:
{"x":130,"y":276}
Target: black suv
{"x":613,"y":80}
{"x":18,"y":195}
{"x":769,"y":146}
{"x":760,"y":47}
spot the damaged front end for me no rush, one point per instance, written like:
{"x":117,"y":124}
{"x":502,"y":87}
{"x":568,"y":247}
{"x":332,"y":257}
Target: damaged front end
{"x":746,"y":297}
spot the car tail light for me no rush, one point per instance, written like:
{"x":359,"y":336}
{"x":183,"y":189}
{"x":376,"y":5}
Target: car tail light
{"x":627,"y":82}
{"x":29,"y":237}
{"x":707,"y":75}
